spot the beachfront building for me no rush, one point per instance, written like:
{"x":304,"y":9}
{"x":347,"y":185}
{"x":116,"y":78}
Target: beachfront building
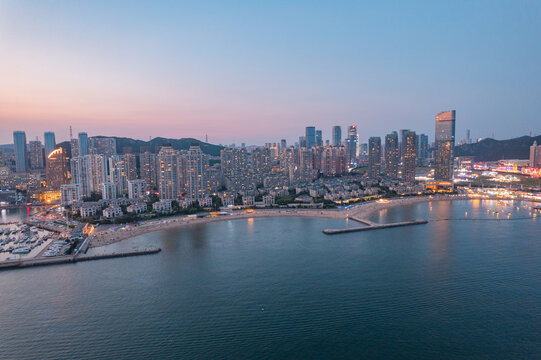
{"x":162,"y":206}
{"x":137,"y":208}
{"x":392,"y":157}
{"x":197,"y":163}
{"x":112,"y":211}
{"x":445,"y":145}
{"x":248,"y":200}
{"x":410,"y":157}
{"x":205,"y":202}
{"x":70,"y":193}
{"x":88,"y":209}
{"x":269,"y":200}
{"x":167,"y":173}
{"x":136,"y":189}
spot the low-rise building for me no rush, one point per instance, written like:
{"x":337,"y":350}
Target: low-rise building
{"x":138,"y":208}
{"x":162,"y":206}
{"x":112,"y":211}
{"x":268,"y":200}
{"x":248,"y":200}
{"x":88,"y":209}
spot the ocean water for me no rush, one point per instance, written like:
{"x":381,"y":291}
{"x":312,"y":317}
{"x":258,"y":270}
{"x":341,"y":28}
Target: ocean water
{"x":278,"y":288}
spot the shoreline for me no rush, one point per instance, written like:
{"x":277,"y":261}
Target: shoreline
{"x":108,"y":237}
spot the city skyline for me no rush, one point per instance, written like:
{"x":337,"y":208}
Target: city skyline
{"x":270,"y":69}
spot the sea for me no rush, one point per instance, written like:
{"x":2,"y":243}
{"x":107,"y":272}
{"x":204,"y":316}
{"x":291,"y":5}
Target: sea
{"x":467,"y":285}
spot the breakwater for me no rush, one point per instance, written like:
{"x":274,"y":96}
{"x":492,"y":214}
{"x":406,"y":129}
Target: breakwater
{"x":373,"y":226}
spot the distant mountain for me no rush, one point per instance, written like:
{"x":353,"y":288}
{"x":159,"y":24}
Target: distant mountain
{"x":492,"y":150}
{"x":131,"y":145}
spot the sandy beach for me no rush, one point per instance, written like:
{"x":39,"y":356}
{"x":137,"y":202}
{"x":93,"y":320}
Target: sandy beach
{"x":106,"y":235}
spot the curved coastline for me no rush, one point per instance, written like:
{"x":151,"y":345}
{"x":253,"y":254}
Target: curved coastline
{"x":108,"y":237}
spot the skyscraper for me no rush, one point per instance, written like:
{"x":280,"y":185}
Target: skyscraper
{"x":21,"y":156}
{"x":374,"y":157}
{"x":50,"y":142}
{"x":80,"y":174}
{"x":83,"y":144}
{"x":310,"y":136}
{"x":147,"y":162}
{"x":57,"y":169}
{"x":131,"y":166}
{"x":352,"y":142}
{"x":319,"y":138}
{"x":118,"y":174}
{"x":391,"y":155}
{"x":535,"y":155}
{"x":36,"y":154}
{"x":445,"y":145}
{"x":336,"y":135}
{"x":402,"y":143}
{"x":167,"y":173}
{"x":410,"y":159}
{"x":97,"y":167}
{"x":75,"y":149}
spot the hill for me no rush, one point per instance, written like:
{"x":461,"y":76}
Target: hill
{"x":492,"y":150}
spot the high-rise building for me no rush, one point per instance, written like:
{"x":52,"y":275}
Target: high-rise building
{"x":319,"y":138}
{"x":305,"y":169}
{"x":445,"y":145}
{"x":334,"y":161}
{"x":310,"y":136}
{"x":235,"y":169}
{"x":21,"y":156}
{"x":374,"y":157}
{"x":57,"y":169}
{"x":50,"y":142}
{"x":118,"y":174}
{"x":409,"y":162}
{"x":197,"y":163}
{"x":283,"y":144}
{"x":147,"y":161}
{"x":336,"y":135}
{"x":391,"y":155}
{"x":36,"y":154}
{"x":131,"y":164}
{"x":535,"y":155}
{"x":83,"y":144}
{"x":103,"y":145}
{"x":402,"y":142}
{"x":261,"y":164}
{"x":108,"y":191}
{"x":97,"y":167}
{"x":167,"y":173}
{"x":75,"y":149}
{"x":422,"y":146}
{"x":136,"y":189}
{"x":80,"y":174}
{"x":302,"y":141}
{"x":352,"y":142}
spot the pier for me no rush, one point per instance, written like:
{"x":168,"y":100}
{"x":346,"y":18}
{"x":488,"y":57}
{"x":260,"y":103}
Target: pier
{"x":373,"y":226}
{"x":54,"y":260}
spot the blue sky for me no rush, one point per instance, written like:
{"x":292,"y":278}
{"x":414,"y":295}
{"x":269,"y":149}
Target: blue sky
{"x":255,"y":72}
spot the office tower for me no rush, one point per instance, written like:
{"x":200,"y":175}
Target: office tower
{"x":147,"y":161}
{"x":36,"y":155}
{"x":310,"y":136}
{"x":334,"y":161}
{"x":302,"y":141}
{"x":422,"y":146}
{"x":167,"y":173}
{"x":319,"y":138}
{"x":118,"y":174}
{"x":97,"y":167}
{"x":83,"y":144}
{"x":535,"y":155}
{"x":103,"y":145}
{"x":283,"y":144}
{"x":445,"y":145}
{"x":391,"y":155}
{"x":21,"y":156}
{"x":80,"y":174}
{"x":352,"y":142}
{"x":131,"y":164}
{"x":261,"y":164}
{"x":50,"y":142}
{"x":336,"y":135}
{"x":57,"y":169}
{"x":197,"y":163}
{"x":74,"y":146}
{"x":108,"y":191}
{"x":136,"y":189}
{"x":374,"y":157}
{"x":410,"y":160}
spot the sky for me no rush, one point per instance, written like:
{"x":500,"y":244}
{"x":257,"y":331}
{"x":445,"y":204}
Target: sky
{"x":256,"y":72}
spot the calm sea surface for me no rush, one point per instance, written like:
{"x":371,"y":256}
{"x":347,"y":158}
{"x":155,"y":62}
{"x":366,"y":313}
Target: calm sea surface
{"x":278,"y":288}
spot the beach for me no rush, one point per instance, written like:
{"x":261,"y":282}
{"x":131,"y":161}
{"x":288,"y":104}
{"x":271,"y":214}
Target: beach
{"x":111,"y":234}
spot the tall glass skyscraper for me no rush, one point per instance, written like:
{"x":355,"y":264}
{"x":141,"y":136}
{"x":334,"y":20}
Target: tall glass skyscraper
{"x":336,"y":135}
{"x":445,"y":145}
{"x":83,"y":143}
{"x":310,"y":136}
{"x":21,"y":157}
{"x":352,"y":142}
{"x":50,"y":142}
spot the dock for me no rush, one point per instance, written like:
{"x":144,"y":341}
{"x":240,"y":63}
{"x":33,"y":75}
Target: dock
{"x":372,"y":226}
{"x":65,"y":259}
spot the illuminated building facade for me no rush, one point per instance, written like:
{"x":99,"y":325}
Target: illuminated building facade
{"x":535,"y":155}
{"x":352,"y":142}
{"x":445,"y":145}
{"x":57,"y":169}
{"x":391,"y":155}
{"x":36,"y":154}
{"x":410,"y":158}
